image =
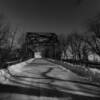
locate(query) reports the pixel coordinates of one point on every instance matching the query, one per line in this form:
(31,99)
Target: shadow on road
(40,92)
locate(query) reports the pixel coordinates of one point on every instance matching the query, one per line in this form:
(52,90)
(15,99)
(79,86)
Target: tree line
(78,46)
(74,46)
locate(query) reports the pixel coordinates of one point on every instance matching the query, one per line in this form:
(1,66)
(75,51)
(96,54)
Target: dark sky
(60,16)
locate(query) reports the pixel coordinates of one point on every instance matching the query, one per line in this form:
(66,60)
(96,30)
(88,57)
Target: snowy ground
(51,79)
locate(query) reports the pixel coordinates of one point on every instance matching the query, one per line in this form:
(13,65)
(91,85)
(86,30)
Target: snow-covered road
(43,74)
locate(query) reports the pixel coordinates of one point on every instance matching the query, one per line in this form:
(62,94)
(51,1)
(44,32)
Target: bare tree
(6,39)
(85,49)
(62,43)
(94,43)
(94,27)
(76,47)
(74,41)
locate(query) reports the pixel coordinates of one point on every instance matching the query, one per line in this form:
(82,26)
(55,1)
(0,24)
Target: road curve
(47,78)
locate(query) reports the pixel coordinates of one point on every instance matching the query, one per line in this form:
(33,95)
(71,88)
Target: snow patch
(18,67)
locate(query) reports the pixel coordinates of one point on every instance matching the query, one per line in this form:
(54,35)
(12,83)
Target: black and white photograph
(49,49)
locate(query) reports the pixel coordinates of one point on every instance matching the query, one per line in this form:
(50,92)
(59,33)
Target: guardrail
(86,63)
